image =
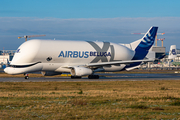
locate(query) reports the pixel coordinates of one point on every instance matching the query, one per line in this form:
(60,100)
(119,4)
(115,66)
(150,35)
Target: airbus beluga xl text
(80,58)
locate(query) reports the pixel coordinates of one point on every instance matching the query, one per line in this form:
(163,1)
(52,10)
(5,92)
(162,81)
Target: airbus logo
(74,54)
(82,54)
(99,53)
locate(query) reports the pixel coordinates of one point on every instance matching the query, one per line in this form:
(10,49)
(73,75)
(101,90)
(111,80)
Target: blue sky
(103,20)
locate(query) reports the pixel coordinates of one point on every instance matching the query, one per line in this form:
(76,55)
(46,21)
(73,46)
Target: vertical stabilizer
(172,52)
(142,46)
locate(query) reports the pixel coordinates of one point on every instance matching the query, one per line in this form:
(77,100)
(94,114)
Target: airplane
(172,52)
(79,58)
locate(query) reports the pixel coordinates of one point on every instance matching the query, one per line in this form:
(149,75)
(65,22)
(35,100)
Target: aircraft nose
(6,70)
(9,70)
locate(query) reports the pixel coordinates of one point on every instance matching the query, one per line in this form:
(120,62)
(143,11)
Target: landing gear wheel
(93,77)
(75,77)
(26,76)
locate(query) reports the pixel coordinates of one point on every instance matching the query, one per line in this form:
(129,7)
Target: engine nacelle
(50,73)
(81,71)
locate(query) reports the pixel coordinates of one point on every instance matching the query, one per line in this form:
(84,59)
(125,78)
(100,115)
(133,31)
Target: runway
(109,77)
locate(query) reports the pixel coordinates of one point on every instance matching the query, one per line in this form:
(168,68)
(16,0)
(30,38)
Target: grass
(90,100)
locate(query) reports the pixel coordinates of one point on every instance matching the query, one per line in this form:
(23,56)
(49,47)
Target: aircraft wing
(116,63)
(96,65)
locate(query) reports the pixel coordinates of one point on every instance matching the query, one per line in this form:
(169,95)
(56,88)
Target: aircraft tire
(93,77)
(26,77)
(75,77)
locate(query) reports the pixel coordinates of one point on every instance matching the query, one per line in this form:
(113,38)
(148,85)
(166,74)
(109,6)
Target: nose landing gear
(26,76)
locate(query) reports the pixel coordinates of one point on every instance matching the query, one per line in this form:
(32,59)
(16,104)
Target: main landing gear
(26,76)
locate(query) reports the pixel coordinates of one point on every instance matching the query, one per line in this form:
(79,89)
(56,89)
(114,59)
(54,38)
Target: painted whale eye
(49,58)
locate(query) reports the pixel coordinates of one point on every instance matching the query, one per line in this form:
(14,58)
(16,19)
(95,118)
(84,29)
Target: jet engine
(50,73)
(81,71)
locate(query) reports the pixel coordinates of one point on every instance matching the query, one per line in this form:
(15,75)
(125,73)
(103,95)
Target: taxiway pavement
(109,77)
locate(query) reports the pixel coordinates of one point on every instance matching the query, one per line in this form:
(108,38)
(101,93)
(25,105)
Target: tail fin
(172,52)
(142,46)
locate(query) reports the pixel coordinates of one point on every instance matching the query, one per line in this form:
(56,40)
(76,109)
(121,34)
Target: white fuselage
(54,55)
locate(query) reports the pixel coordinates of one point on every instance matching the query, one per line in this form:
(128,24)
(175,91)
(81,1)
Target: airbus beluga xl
(79,58)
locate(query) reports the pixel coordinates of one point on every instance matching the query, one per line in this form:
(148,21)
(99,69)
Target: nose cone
(10,71)
(6,70)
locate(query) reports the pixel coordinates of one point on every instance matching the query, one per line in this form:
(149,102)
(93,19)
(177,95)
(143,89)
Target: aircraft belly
(50,66)
(63,69)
